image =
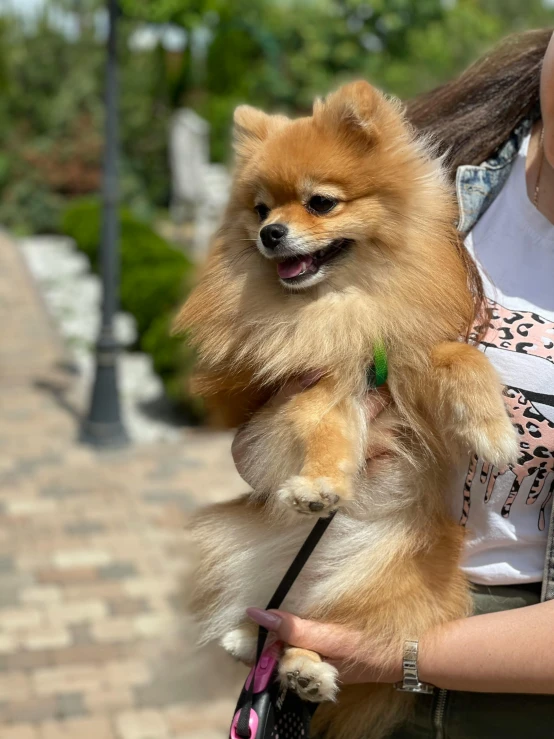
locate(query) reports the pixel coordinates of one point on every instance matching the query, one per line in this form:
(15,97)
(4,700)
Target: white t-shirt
(506,512)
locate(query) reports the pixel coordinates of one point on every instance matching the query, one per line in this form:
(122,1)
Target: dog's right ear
(354,110)
(251,127)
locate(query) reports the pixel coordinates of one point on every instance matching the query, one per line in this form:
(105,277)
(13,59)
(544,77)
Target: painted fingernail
(270,621)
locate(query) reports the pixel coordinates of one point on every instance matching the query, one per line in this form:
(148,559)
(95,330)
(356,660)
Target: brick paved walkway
(93,641)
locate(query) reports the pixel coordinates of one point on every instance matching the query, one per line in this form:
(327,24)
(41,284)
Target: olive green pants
(459,715)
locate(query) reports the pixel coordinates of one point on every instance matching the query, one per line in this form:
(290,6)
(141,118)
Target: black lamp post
(103,426)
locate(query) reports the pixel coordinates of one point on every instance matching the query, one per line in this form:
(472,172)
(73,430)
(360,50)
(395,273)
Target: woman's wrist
(429,647)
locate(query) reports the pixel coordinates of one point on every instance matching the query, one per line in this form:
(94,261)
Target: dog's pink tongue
(293,267)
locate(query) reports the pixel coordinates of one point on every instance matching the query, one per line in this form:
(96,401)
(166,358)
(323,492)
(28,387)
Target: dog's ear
(353,110)
(251,127)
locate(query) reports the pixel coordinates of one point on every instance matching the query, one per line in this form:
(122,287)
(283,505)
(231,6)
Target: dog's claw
(307,496)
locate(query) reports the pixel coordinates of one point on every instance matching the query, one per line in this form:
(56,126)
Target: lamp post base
(103,427)
(103,435)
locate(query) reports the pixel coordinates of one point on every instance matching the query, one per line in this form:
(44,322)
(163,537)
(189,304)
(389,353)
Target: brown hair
(472,115)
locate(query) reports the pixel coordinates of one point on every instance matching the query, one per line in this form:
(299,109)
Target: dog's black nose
(272,234)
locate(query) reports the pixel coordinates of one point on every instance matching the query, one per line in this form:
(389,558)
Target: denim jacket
(476,189)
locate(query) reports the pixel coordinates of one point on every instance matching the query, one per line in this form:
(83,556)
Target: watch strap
(410,681)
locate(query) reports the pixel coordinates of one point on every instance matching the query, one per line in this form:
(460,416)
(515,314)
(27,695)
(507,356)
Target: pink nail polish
(270,621)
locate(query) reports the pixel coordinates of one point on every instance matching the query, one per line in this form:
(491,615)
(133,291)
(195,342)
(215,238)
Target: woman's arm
(505,652)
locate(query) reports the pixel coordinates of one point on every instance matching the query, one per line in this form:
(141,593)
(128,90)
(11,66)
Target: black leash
(243,729)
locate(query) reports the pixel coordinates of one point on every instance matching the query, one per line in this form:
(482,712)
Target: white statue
(199,189)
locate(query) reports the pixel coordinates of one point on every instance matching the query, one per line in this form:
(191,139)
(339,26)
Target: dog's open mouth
(296,269)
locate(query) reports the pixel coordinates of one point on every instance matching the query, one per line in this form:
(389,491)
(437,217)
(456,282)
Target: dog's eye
(262,210)
(320,204)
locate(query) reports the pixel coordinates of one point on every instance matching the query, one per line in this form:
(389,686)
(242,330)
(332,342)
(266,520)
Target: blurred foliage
(280,54)
(276,54)
(51,116)
(154,278)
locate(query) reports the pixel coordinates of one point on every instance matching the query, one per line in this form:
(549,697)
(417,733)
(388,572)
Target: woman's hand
(504,652)
(345,649)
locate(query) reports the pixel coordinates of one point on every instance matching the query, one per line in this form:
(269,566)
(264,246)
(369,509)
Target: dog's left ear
(251,128)
(353,110)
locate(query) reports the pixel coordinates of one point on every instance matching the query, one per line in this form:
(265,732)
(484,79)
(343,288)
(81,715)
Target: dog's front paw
(304,495)
(496,441)
(305,673)
(241,643)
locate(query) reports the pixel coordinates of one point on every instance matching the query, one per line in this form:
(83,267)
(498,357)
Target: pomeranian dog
(339,237)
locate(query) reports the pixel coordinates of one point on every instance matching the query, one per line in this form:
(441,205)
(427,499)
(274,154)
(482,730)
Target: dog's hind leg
(308,675)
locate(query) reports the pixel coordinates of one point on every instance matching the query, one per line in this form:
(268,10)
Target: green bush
(155,277)
(30,207)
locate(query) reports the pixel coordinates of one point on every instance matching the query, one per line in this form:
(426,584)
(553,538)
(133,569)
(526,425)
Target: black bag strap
(243,729)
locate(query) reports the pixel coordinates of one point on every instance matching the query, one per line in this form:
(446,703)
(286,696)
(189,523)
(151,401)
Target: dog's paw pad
(312,681)
(304,495)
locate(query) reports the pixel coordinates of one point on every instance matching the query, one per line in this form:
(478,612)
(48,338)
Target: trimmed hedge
(155,279)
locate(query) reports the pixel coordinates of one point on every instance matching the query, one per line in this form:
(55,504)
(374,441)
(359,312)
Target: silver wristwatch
(410,682)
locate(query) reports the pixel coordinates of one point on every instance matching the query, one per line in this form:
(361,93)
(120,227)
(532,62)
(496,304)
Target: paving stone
(41,595)
(117,571)
(8,643)
(67,679)
(175,498)
(15,580)
(84,611)
(142,725)
(7,564)
(14,686)
(160,693)
(66,576)
(29,507)
(84,528)
(28,466)
(70,704)
(186,719)
(71,559)
(93,643)
(20,731)
(152,624)
(33,710)
(9,597)
(113,630)
(18,619)
(109,700)
(25,660)
(89,654)
(61,492)
(80,634)
(131,672)
(167,469)
(93,727)
(47,637)
(128,606)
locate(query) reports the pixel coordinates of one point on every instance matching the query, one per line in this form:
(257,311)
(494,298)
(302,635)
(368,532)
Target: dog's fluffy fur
(389,563)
